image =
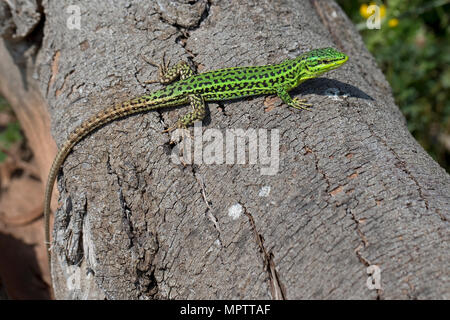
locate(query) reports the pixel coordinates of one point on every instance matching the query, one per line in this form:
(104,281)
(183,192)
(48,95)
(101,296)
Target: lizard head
(315,62)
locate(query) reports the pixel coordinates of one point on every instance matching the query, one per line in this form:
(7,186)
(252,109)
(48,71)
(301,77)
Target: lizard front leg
(294,103)
(167,74)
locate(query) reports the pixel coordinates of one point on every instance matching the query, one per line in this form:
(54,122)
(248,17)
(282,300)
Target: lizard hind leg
(198,113)
(168,74)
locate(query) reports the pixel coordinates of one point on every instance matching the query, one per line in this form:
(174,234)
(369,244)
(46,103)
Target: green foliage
(3,104)
(412,47)
(9,134)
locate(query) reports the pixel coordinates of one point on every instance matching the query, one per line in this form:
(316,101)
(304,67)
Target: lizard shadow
(329,87)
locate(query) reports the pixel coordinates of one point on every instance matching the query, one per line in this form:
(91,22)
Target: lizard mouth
(338,61)
(328,64)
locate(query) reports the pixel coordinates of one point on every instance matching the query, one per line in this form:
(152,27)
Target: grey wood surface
(353,189)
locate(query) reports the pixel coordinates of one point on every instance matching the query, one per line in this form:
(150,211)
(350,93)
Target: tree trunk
(353,189)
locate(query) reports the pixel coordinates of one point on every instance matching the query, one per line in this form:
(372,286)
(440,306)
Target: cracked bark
(353,187)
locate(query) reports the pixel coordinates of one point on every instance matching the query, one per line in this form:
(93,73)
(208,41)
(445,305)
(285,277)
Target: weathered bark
(353,189)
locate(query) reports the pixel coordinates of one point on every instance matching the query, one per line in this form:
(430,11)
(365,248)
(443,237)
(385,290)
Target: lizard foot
(163,68)
(300,104)
(184,131)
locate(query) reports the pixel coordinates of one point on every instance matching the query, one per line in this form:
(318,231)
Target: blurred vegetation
(412,47)
(10,132)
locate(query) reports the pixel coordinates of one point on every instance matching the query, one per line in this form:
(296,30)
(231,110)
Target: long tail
(59,160)
(103,117)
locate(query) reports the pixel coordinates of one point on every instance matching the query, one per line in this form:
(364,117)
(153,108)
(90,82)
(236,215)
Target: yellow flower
(365,13)
(393,22)
(382,11)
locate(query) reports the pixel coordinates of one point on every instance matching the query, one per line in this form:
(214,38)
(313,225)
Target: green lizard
(223,84)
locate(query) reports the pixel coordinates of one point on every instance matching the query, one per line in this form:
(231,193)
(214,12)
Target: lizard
(183,86)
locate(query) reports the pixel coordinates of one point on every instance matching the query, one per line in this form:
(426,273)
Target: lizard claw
(177,125)
(150,62)
(163,68)
(300,104)
(184,132)
(169,129)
